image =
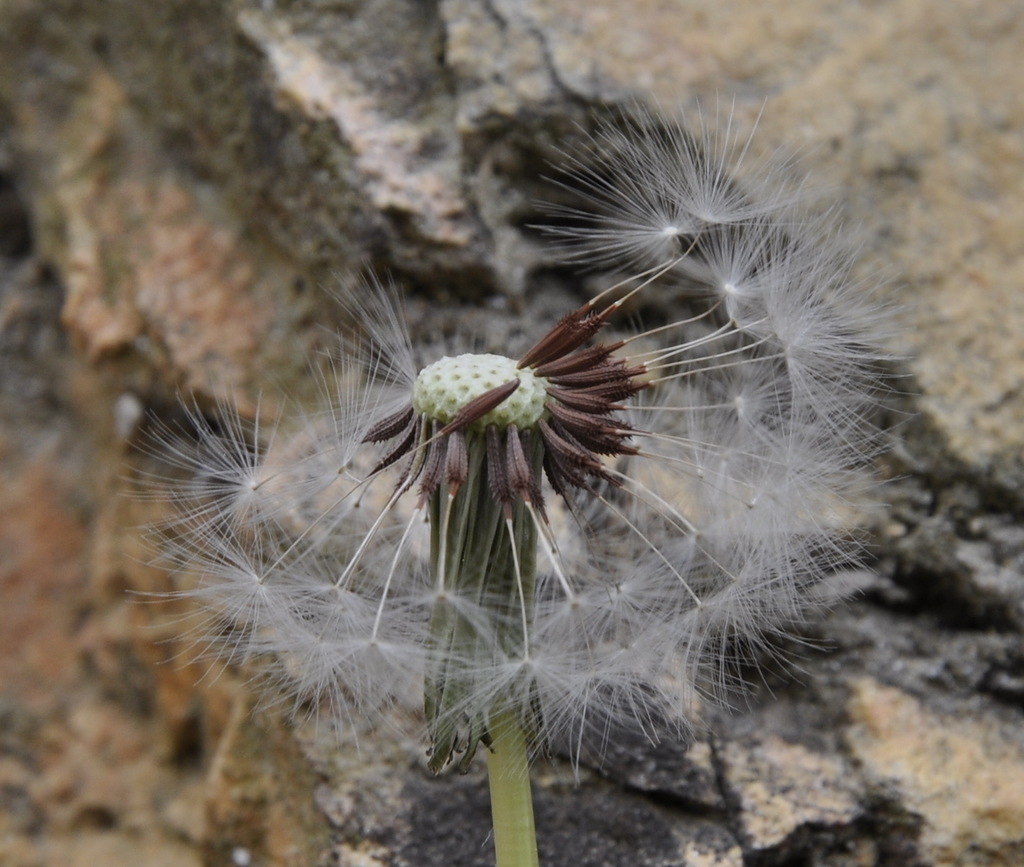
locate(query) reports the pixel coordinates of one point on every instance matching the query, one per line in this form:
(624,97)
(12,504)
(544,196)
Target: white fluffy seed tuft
(664,569)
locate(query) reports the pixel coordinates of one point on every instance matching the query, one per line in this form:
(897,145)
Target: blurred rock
(259,796)
(181,184)
(961,778)
(781,789)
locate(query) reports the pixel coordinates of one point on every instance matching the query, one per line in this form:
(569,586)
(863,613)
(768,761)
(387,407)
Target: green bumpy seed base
(446,386)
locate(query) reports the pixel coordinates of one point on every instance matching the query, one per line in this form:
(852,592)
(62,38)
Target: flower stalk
(515,840)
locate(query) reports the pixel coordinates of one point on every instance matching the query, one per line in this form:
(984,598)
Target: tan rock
(184,162)
(400,168)
(259,796)
(782,787)
(963,777)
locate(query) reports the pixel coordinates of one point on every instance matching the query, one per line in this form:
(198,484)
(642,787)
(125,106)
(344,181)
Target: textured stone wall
(181,184)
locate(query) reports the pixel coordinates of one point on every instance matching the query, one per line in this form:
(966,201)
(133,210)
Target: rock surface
(180,181)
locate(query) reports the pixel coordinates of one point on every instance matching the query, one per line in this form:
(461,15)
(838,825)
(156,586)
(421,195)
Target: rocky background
(180,184)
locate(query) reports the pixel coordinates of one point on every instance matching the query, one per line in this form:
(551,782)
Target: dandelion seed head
(593,534)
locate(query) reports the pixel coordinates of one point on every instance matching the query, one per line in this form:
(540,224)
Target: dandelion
(586,535)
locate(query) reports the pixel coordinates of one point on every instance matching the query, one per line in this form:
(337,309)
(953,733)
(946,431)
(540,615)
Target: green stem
(508,770)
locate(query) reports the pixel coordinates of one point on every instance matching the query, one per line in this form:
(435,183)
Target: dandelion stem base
(515,840)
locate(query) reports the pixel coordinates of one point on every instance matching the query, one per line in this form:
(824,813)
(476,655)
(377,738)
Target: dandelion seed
(580,537)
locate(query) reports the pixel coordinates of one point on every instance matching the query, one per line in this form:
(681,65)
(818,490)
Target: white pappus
(586,535)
